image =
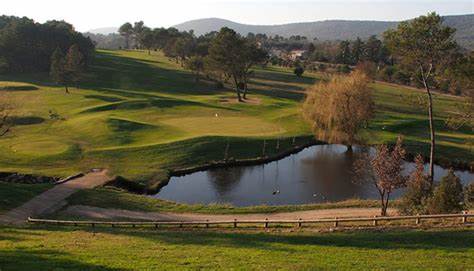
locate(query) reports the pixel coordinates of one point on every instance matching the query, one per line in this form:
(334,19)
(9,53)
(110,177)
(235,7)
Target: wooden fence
(336,222)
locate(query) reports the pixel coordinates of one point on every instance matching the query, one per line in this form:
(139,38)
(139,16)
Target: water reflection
(317,174)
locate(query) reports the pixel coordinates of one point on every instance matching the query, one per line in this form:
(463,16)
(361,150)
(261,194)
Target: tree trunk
(67,89)
(432,132)
(237,89)
(382,197)
(245,91)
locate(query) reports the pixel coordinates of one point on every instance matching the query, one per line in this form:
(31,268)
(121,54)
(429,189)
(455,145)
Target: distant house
(296,54)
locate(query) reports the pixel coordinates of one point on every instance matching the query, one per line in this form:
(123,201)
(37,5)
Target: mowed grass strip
(141,115)
(43,248)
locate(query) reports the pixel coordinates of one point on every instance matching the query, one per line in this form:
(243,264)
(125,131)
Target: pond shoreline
(155,187)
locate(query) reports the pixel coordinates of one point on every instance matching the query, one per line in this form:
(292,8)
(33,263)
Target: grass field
(141,115)
(38,248)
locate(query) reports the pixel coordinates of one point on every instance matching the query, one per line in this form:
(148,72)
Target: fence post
(336,222)
(235,223)
(266,222)
(418,219)
(464,218)
(375,221)
(207,223)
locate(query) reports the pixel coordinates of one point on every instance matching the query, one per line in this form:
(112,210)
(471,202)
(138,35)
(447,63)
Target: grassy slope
(126,249)
(117,199)
(141,114)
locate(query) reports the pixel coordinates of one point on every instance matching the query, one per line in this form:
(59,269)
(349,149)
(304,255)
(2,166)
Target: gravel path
(118,214)
(53,199)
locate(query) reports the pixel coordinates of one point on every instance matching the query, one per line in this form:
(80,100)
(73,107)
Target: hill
(103,30)
(328,30)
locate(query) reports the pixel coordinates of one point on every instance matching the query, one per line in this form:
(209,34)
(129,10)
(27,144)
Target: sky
(91,14)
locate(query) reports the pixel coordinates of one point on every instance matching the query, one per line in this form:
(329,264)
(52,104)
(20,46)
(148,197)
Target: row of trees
(223,55)
(27,46)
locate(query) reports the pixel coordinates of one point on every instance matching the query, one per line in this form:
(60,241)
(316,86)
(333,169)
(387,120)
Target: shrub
(469,195)
(418,191)
(298,71)
(448,195)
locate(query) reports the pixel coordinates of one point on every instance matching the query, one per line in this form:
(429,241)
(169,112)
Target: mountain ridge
(328,29)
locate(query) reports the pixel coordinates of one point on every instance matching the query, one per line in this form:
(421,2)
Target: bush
(448,196)
(469,195)
(418,191)
(299,71)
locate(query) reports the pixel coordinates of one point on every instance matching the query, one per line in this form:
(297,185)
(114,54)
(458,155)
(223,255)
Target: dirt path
(117,214)
(53,199)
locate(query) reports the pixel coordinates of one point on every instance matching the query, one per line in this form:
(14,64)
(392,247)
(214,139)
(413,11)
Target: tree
(69,69)
(234,56)
(423,45)
(298,71)
(357,50)
(384,170)
(74,65)
(340,108)
(418,191)
(126,30)
(58,69)
(196,65)
(344,56)
(137,32)
(448,196)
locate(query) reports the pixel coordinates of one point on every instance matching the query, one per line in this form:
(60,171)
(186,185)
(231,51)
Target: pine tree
(448,196)
(74,64)
(57,70)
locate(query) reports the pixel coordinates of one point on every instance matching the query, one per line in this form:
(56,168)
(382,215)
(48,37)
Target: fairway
(141,115)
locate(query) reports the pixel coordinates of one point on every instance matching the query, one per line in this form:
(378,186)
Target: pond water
(321,173)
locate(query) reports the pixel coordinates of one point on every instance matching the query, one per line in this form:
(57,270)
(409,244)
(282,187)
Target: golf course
(141,115)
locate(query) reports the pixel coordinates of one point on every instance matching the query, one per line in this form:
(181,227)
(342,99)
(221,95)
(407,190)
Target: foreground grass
(37,248)
(13,195)
(118,199)
(141,115)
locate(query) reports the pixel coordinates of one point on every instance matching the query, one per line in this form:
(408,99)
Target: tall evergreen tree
(57,70)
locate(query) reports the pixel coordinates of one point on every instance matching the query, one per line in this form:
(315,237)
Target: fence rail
(265,222)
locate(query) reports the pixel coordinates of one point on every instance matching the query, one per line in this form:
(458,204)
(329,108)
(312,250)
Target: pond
(321,173)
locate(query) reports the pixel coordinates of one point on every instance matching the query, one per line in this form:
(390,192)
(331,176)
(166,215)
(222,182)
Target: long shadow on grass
(444,240)
(26,259)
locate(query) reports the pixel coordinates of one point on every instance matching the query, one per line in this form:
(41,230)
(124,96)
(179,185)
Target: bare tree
(340,108)
(384,170)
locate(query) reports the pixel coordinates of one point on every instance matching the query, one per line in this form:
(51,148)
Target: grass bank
(120,199)
(43,248)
